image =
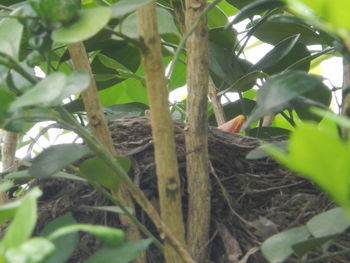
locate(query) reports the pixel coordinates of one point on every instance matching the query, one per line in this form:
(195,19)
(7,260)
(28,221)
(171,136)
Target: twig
(188,34)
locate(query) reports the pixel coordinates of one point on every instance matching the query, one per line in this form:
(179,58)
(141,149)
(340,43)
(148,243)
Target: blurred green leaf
(327,11)
(321,96)
(259,152)
(10,37)
(124,7)
(277,28)
(278,248)
(90,22)
(52,90)
(23,223)
(122,254)
(96,170)
(216,18)
(279,90)
(328,223)
(111,237)
(64,245)
(225,37)
(327,167)
(6,98)
(166,24)
(55,158)
(35,250)
(304,247)
(128,91)
(119,111)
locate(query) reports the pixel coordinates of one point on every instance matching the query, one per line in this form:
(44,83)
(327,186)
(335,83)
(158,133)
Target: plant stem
(6,8)
(10,62)
(188,34)
(168,179)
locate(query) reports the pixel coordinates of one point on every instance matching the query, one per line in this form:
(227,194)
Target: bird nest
(251,199)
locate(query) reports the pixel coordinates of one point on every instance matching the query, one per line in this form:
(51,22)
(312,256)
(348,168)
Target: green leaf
(96,170)
(112,209)
(321,96)
(255,8)
(10,37)
(244,83)
(6,99)
(52,90)
(124,7)
(222,36)
(275,55)
(55,158)
(327,167)
(277,28)
(24,221)
(111,237)
(278,248)
(75,83)
(45,93)
(328,223)
(119,111)
(122,254)
(23,177)
(304,247)
(216,18)
(279,90)
(220,62)
(128,91)
(298,57)
(166,24)
(65,244)
(35,250)
(259,152)
(334,13)
(339,119)
(90,22)
(240,3)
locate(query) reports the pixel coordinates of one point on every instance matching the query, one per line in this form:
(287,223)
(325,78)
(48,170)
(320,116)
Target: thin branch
(188,34)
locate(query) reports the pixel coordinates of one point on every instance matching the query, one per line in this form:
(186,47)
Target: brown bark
(196,133)
(99,129)
(178,6)
(162,130)
(345,107)
(8,152)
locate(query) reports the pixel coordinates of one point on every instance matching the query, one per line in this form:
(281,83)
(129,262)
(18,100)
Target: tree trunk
(196,133)
(162,129)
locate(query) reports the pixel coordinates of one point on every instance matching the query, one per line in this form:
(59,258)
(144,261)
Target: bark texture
(162,129)
(196,136)
(8,156)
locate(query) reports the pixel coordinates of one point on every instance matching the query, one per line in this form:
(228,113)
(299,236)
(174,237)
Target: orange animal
(233,125)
